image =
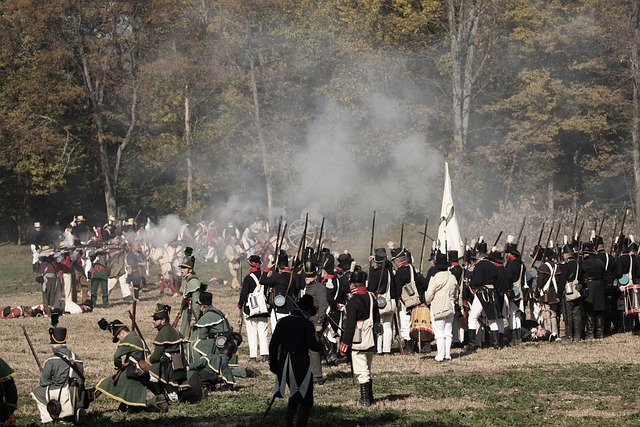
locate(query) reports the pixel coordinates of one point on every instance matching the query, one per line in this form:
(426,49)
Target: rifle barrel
(33,350)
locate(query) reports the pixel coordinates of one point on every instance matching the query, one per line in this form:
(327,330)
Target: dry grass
(473,389)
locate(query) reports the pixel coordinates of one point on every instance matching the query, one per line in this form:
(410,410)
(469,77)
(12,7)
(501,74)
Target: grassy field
(592,383)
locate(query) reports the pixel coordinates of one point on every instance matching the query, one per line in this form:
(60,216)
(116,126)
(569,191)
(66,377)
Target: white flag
(448,232)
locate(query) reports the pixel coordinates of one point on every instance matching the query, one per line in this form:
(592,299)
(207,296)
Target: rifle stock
(138,331)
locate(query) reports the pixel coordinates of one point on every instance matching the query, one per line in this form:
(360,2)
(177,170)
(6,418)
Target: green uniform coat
(167,342)
(190,310)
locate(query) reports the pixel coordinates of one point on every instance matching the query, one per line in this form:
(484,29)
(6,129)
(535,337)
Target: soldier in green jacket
(128,385)
(168,364)
(191,294)
(56,380)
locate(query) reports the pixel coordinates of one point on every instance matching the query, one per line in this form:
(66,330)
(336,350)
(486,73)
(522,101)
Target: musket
(139,332)
(397,335)
(277,248)
(424,241)
(546,246)
(401,234)
(523,243)
(294,265)
(524,219)
(176,321)
(320,237)
(132,314)
(580,232)
(575,222)
(373,230)
(33,350)
(535,254)
(558,230)
(624,218)
(601,225)
(613,237)
(497,239)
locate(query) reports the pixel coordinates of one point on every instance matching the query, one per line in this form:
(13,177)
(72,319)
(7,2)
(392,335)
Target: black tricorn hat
(115,327)
(358,277)
(58,335)
(254,259)
(495,256)
(306,304)
(344,261)
(162,312)
(206,298)
(512,249)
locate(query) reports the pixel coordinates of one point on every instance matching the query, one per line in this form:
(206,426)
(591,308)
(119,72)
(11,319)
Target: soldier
(61,374)
(78,276)
(168,364)
(8,395)
(626,273)
(64,262)
(36,239)
(136,268)
(99,275)
(380,283)
(209,354)
(592,280)
(406,274)
(51,287)
(336,299)
(484,277)
(128,385)
(291,344)
(234,254)
(360,334)
(116,268)
(571,296)
(109,229)
(319,294)
(549,292)
(612,314)
(280,284)
(258,324)
(79,230)
(191,294)
(515,279)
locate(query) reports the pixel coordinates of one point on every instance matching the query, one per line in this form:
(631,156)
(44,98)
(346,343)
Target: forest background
(198,108)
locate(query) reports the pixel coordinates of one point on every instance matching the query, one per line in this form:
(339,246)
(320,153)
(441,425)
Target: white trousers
(122,281)
(384,341)
(66,278)
(474,314)
(405,322)
(257,332)
(362,362)
(443,332)
(275,317)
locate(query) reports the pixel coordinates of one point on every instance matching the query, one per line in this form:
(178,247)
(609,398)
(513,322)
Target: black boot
(517,340)
(471,340)
(292,408)
(364,395)
(495,339)
(577,329)
(408,347)
(303,416)
(599,327)
(370,391)
(501,340)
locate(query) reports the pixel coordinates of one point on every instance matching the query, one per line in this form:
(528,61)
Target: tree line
(172,105)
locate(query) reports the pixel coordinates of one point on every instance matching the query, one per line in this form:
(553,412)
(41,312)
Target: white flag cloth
(448,232)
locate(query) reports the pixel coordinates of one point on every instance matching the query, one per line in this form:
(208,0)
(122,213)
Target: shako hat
(358,277)
(58,335)
(115,327)
(162,312)
(495,256)
(206,298)
(452,256)
(283,259)
(328,263)
(344,261)
(254,260)
(441,261)
(481,246)
(309,268)
(397,253)
(189,260)
(587,248)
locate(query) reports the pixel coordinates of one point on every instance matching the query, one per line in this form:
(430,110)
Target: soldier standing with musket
(191,295)
(362,316)
(571,297)
(380,279)
(612,314)
(319,294)
(592,280)
(484,277)
(515,278)
(404,274)
(626,265)
(548,291)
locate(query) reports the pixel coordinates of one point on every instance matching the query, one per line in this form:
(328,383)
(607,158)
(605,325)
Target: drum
(632,299)
(421,331)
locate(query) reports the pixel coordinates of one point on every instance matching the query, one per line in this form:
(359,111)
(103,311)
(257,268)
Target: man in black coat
(362,316)
(592,279)
(292,340)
